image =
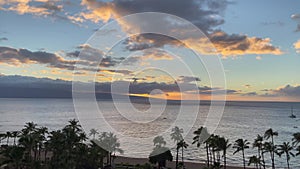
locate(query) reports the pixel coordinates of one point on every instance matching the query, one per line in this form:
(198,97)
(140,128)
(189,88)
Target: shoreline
(188,164)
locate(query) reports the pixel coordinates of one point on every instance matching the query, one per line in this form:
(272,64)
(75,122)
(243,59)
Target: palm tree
(15,134)
(298,151)
(241,145)
(254,160)
(13,156)
(183,145)
(268,147)
(270,134)
(258,142)
(29,127)
(74,125)
(224,145)
(159,141)
(160,155)
(286,149)
(176,136)
(93,132)
(213,144)
(8,135)
(296,138)
(2,137)
(41,138)
(201,135)
(96,154)
(109,142)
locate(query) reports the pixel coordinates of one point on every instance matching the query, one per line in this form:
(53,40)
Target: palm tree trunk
(244,159)
(224,160)
(211,158)
(35,153)
(177,152)
(207,155)
(39,153)
(107,159)
(45,156)
(273,160)
(7,139)
(258,151)
(182,156)
(214,156)
(287,160)
(273,154)
(263,159)
(110,159)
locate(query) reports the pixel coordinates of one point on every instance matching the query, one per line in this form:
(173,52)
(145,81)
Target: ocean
(239,120)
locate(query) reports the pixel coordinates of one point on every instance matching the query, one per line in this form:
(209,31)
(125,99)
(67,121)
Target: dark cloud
(3,39)
(87,62)
(51,6)
(250,94)
(188,79)
(149,40)
(236,44)
(206,14)
(216,91)
(23,56)
(225,44)
(247,86)
(288,90)
(296,17)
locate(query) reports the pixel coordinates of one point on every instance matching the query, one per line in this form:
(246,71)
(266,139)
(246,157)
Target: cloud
(258,58)
(206,14)
(151,54)
(188,79)
(250,94)
(296,17)
(291,91)
(235,44)
(23,56)
(90,56)
(88,62)
(227,45)
(41,8)
(297,46)
(3,39)
(288,90)
(247,86)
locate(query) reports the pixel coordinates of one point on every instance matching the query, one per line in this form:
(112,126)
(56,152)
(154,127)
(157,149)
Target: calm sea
(240,120)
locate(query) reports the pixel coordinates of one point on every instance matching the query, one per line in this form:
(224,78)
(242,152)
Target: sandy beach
(189,165)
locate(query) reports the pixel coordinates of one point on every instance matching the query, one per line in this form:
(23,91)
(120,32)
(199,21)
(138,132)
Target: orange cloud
(99,11)
(22,7)
(297,46)
(232,45)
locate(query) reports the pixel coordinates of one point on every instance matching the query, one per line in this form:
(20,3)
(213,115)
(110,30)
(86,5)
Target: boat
(292,114)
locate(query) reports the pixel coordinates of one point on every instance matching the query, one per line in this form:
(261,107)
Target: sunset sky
(258,43)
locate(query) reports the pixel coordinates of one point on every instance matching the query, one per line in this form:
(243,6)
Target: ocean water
(239,120)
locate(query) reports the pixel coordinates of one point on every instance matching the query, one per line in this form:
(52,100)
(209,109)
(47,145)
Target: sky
(257,42)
